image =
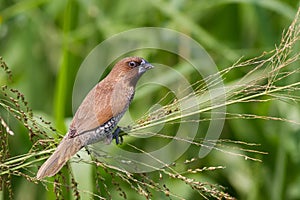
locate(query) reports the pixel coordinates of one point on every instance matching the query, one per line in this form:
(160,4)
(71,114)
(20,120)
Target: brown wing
(95,109)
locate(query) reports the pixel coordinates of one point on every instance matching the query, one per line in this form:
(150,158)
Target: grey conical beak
(144,66)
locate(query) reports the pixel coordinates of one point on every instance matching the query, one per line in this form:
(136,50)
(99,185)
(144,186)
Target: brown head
(129,69)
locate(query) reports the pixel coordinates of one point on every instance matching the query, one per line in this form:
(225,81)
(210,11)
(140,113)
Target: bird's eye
(132,64)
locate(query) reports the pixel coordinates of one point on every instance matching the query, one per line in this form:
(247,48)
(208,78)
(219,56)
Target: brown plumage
(99,113)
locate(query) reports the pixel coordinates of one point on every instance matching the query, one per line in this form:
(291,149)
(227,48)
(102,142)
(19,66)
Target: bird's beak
(144,67)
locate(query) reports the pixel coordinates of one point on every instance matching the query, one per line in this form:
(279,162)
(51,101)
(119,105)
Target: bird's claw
(116,136)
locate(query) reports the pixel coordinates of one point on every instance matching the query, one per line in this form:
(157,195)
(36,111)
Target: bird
(97,116)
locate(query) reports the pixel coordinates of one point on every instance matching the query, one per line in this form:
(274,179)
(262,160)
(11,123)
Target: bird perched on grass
(98,115)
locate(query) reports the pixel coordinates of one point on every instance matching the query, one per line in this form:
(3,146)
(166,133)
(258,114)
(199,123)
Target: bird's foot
(116,136)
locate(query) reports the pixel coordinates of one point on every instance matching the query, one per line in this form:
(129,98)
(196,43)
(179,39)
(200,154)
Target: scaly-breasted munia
(97,116)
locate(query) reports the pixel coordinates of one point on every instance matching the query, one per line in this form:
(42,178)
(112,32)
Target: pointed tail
(65,150)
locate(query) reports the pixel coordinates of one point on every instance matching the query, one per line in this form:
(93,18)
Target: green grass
(44,43)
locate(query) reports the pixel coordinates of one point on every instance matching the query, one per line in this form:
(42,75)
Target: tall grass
(44,42)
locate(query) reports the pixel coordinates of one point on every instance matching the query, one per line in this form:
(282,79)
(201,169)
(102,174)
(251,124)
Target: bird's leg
(116,135)
(87,150)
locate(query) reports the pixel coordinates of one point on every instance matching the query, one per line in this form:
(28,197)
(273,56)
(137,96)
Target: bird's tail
(65,150)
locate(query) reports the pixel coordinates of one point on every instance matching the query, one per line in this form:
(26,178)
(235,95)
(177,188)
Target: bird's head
(130,68)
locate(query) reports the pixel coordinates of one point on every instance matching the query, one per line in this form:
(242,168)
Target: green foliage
(44,43)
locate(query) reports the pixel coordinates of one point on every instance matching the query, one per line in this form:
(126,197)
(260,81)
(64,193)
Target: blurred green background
(44,42)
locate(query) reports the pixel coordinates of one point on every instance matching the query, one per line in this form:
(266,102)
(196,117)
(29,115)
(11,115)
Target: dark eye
(132,64)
